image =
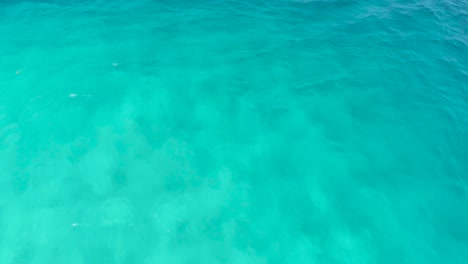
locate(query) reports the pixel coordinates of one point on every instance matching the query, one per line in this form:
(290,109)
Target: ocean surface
(234,131)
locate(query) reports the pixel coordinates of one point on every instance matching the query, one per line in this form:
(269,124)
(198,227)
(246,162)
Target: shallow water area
(233,131)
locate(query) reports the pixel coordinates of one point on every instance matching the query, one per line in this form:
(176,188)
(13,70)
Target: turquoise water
(236,131)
